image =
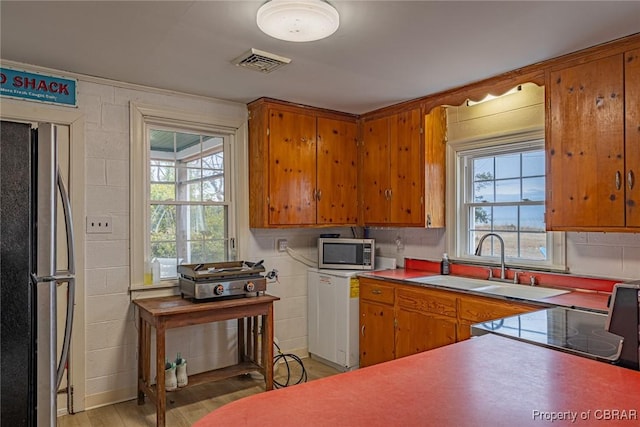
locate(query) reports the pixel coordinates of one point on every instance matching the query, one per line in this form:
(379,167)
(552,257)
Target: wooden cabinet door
(586,148)
(632,135)
(375,171)
(406,165)
(435,144)
(376,333)
(292,168)
(337,167)
(417,332)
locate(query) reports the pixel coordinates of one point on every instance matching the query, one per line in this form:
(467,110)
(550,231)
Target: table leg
(256,334)
(141,357)
(241,350)
(161,402)
(267,347)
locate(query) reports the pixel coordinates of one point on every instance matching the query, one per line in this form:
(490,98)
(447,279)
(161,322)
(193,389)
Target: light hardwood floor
(188,405)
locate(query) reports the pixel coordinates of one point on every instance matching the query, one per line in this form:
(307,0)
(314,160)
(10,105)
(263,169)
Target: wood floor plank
(184,407)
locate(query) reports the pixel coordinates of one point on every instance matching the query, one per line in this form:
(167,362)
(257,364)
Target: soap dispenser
(445,264)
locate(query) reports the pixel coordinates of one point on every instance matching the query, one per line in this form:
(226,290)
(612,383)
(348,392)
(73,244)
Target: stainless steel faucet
(479,251)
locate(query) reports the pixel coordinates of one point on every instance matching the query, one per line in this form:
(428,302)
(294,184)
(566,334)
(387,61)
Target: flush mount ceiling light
(298,20)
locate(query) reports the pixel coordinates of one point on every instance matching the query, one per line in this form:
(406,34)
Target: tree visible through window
(188,200)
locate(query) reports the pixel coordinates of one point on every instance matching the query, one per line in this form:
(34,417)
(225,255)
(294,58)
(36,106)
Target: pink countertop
(485,381)
(585,299)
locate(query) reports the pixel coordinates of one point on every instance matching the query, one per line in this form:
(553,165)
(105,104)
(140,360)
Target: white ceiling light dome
(298,20)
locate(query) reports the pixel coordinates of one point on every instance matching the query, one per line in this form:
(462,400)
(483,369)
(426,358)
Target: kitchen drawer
(427,301)
(476,309)
(375,290)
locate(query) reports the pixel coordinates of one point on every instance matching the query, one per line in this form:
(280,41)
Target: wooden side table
(175,312)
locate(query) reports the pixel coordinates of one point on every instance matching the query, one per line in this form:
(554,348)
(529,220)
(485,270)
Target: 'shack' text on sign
(37,87)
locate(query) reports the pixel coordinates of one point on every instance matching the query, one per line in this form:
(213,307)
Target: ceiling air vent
(258,60)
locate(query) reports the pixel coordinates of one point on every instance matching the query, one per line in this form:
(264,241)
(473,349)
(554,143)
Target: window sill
(164,289)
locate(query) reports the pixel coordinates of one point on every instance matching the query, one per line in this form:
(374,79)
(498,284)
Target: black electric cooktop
(572,331)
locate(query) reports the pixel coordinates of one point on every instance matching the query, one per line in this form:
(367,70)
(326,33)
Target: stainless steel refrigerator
(31,369)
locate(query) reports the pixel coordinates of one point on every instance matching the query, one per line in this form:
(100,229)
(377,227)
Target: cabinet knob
(376,291)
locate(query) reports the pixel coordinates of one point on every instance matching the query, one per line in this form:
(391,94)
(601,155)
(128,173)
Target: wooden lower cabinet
(399,320)
(417,332)
(376,333)
(377,321)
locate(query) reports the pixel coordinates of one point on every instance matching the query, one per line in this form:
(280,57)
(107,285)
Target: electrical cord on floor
(288,358)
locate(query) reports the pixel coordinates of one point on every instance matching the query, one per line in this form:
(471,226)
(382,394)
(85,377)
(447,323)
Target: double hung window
(501,189)
(188,209)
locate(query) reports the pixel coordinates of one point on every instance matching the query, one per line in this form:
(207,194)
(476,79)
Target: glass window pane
(533,163)
(162,172)
(508,166)
(511,249)
(532,218)
(194,174)
(508,190)
(483,169)
(483,191)
(162,192)
(505,218)
(481,218)
(533,189)
(215,218)
(193,192)
(163,223)
(533,246)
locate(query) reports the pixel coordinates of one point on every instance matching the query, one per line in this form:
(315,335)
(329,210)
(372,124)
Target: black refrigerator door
(17,330)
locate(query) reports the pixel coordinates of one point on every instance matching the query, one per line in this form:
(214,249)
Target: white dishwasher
(333,317)
(333,313)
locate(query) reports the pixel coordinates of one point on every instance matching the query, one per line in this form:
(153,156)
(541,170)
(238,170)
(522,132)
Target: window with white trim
(188,208)
(500,188)
(183,190)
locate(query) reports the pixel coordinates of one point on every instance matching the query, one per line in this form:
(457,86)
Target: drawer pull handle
(376,291)
(618,180)
(630,179)
(362,330)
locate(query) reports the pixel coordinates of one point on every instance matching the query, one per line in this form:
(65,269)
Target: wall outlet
(99,224)
(281,245)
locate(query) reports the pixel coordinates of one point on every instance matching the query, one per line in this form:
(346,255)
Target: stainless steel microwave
(346,254)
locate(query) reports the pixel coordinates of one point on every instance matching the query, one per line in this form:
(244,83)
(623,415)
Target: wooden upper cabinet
(586,146)
(292,168)
(407,169)
(337,172)
(375,171)
(632,135)
(435,142)
(302,166)
(393,170)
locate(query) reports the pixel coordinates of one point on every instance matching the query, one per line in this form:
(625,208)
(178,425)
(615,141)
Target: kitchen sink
(454,282)
(521,291)
(490,288)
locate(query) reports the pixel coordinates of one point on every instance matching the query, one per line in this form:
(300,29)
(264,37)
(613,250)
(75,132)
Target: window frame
(458,231)
(141,118)
(225,148)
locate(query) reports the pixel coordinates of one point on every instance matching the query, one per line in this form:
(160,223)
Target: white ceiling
(383,53)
